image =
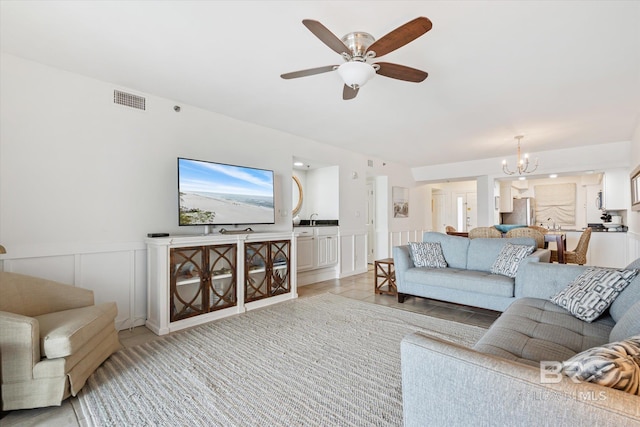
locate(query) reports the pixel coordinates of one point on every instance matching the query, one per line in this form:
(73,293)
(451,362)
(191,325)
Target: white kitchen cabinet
(317,247)
(608,249)
(306,250)
(327,251)
(615,190)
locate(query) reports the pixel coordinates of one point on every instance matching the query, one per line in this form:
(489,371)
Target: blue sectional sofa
(501,381)
(467,279)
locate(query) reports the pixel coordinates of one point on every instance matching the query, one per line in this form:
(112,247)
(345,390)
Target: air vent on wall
(370,163)
(129,100)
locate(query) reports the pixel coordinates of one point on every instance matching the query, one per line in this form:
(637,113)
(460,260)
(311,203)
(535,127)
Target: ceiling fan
(359,48)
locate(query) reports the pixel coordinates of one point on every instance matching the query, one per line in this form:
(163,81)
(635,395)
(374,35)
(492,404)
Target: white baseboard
(314,276)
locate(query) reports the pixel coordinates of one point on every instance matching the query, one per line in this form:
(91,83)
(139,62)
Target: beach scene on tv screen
(214,193)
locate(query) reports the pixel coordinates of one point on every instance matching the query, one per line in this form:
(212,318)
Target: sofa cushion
(628,325)
(461,279)
(484,251)
(427,254)
(509,259)
(64,332)
(615,365)
(532,330)
(543,279)
(593,291)
(629,296)
(454,248)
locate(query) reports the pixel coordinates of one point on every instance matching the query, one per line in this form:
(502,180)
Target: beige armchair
(52,337)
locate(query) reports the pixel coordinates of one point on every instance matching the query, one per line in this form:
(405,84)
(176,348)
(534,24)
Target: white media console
(195,279)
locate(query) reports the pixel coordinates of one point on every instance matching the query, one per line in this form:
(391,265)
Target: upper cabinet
(506,197)
(615,190)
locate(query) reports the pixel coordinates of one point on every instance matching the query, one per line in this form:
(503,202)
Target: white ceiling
(564,74)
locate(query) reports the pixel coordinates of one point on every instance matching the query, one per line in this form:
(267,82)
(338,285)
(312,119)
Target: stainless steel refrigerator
(524,212)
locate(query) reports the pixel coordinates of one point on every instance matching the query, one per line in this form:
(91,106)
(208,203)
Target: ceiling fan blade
(309,72)
(400,36)
(401,72)
(326,36)
(349,93)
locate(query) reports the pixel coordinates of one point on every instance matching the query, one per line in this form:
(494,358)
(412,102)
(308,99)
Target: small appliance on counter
(614,223)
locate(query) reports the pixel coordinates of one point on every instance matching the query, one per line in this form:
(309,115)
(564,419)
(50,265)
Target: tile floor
(358,287)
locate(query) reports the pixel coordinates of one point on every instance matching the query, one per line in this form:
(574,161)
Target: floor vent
(129,100)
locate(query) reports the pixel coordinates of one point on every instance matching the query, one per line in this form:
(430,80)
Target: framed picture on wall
(635,189)
(400,198)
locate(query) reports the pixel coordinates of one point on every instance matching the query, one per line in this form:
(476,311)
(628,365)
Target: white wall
(633,218)
(323,190)
(82,181)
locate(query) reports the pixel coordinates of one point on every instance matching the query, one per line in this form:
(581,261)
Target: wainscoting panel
(347,255)
(360,246)
(633,248)
(58,268)
(113,272)
(399,238)
(353,252)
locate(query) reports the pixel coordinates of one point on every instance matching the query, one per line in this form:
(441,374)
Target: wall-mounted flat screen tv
(216,194)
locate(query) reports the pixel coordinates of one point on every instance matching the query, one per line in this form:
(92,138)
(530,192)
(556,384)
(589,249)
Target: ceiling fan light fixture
(356,74)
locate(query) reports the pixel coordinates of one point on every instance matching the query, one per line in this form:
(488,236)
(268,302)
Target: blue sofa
(500,381)
(467,279)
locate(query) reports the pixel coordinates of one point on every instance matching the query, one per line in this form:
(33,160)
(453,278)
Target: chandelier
(523,162)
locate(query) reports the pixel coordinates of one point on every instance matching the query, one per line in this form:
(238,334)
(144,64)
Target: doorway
(465,211)
(371,209)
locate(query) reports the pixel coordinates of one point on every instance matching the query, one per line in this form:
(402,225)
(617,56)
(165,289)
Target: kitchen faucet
(312,222)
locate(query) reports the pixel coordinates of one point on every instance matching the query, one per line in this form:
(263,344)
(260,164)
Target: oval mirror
(296,195)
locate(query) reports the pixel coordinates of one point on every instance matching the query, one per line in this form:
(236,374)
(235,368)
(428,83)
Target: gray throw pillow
(593,291)
(427,254)
(615,365)
(509,259)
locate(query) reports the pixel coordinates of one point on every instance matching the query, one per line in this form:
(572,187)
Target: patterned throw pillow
(509,259)
(615,365)
(427,254)
(593,291)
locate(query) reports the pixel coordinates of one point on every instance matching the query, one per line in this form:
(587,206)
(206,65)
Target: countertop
(318,223)
(593,230)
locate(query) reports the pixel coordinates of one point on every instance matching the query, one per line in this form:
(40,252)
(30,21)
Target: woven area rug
(322,360)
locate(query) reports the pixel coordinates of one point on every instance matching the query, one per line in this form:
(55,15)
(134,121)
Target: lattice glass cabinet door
(222,271)
(267,269)
(280,255)
(187,285)
(203,279)
(256,278)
